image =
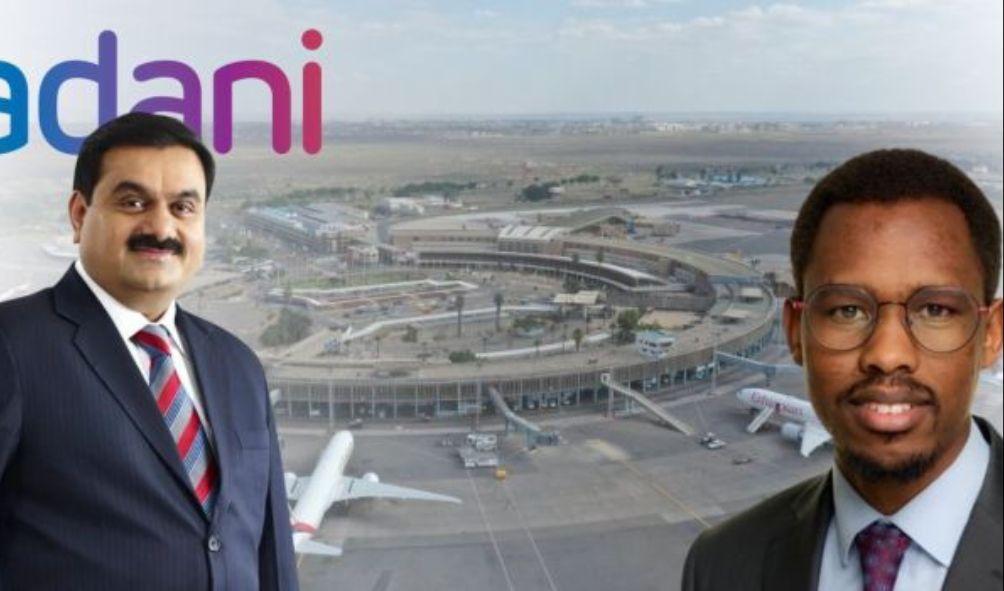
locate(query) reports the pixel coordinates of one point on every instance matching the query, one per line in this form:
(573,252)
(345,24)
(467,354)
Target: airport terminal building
(740,318)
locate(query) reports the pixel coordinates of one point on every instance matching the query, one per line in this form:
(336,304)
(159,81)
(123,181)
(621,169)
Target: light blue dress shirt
(934,520)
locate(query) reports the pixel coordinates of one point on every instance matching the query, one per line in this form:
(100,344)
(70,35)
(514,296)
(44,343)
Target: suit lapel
(102,348)
(213,385)
(793,556)
(977,560)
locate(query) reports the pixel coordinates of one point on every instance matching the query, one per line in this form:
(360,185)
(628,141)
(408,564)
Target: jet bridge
(534,434)
(660,413)
(769,370)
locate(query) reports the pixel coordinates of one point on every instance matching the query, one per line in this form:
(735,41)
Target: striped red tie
(179,414)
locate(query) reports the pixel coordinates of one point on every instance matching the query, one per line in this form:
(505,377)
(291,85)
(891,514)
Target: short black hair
(141,130)
(889,176)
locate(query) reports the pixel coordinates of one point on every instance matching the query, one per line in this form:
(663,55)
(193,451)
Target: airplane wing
(317,548)
(762,417)
(360,488)
(812,437)
(295,485)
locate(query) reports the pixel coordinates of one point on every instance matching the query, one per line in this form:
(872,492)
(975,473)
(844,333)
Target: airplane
(315,494)
(802,425)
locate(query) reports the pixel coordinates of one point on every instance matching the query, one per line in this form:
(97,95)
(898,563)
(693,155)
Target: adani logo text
(104,73)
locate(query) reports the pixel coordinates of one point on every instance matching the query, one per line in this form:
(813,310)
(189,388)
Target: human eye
(185,207)
(131,202)
(936,310)
(941,307)
(847,313)
(841,306)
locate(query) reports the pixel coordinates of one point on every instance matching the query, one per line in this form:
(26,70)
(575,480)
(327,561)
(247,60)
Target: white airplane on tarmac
(315,494)
(802,424)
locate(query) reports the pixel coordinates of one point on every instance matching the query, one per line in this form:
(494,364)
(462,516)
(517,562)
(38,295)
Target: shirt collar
(126,320)
(932,523)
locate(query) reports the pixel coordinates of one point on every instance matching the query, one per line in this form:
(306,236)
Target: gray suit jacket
(778,544)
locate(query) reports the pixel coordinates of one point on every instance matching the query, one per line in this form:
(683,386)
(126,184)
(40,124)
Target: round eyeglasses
(843,317)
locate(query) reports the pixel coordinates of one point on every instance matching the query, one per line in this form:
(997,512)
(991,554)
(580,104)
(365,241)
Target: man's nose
(890,347)
(159,221)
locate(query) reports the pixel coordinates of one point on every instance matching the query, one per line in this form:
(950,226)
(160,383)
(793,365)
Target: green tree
(291,326)
(460,313)
(536,192)
(465,356)
(577,336)
(627,323)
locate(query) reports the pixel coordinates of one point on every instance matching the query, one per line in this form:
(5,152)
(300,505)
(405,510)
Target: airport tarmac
(615,506)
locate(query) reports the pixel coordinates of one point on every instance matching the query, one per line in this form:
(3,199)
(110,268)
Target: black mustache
(919,393)
(150,241)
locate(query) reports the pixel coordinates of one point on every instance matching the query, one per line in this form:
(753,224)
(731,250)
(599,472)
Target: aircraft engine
(792,431)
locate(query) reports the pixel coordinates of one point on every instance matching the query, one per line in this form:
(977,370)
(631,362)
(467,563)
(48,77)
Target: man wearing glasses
(896,257)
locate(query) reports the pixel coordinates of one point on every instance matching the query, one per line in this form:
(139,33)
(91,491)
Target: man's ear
(77,208)
(792,320)
(994,334)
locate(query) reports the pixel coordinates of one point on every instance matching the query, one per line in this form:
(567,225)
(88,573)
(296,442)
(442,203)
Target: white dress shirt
(934,520)
(128,322)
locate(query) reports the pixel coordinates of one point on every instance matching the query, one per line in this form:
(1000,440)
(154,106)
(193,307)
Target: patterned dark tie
(881,546)
(179,415)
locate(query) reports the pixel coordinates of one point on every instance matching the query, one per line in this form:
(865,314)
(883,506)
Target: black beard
(907,471)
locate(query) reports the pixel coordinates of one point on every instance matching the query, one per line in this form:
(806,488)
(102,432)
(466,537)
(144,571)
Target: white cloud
(430,57)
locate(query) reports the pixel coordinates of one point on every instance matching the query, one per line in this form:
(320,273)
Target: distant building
(321,228)
(419,235)
(654,344)
(362,255)
(530,239)
(400,206)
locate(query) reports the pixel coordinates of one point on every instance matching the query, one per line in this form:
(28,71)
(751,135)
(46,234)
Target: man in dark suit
(137,444)
(896,257)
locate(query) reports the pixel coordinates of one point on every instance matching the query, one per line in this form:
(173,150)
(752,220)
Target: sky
(440,58)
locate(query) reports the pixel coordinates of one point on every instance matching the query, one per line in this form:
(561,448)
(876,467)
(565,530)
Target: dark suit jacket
(778,544)
(92,491)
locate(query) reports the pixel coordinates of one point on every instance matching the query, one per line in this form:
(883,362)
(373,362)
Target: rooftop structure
(582,298)
(654,344)
(319,227)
